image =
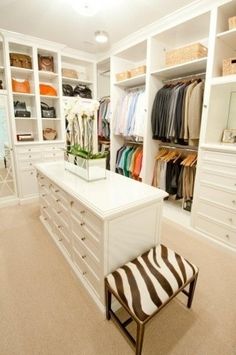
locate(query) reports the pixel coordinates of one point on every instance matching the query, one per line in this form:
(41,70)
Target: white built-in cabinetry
(98,226)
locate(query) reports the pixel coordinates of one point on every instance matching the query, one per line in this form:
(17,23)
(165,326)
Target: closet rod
(179,146)
(136,87)
(192,76)
(133,143)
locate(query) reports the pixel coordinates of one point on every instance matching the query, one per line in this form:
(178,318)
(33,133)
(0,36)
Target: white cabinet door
(28,183)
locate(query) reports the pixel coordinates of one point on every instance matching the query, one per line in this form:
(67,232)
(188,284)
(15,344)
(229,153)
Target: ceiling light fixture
(101,36)
(85,7)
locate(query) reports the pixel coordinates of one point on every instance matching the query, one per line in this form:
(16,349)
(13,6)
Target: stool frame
(138,343)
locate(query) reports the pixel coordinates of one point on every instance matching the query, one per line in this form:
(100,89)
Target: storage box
(123,76)
(186,54)
(229,66)
(138,71)
(87,169)
(232,22)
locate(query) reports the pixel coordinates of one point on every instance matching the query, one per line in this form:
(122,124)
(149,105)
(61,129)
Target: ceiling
(57,20)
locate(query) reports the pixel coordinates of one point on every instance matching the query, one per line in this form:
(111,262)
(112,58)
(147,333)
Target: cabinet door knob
(83,256)
(83,239)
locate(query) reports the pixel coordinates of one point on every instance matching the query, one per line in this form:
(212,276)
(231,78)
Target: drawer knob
(50,186)
(84,273)
(29,150)
(29,156)
(58,200)
(41,177)
(227,236)
(31,173)
(45,218)
(71,203)
(37,175)
(83,239)
(83,256)
(43,195)
(231,220)
(59,227)
(57,190)
(44,207)
(59,212)
(82,223)
(42,185)
(82,212)
(60,240)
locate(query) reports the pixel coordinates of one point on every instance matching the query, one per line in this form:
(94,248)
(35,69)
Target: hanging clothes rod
(133,143)
(138,87)
(180,147)
(192,76)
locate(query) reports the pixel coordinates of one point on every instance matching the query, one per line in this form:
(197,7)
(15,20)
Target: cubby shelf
(22,94)
(76,81)
(17,70)
(193,67)
(228,37)
(50,119)
(135,81)
(224,80)
(49,97)
(47,74)
(25,118)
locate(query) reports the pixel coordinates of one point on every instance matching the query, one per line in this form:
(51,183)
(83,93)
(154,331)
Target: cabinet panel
(218,196)
(223,180)
(219,214)
(216,230)
(224,158)
(28,182)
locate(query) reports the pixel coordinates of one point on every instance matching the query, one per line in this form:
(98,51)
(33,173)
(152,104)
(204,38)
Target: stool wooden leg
(191,292)
(139,339)
(108,302)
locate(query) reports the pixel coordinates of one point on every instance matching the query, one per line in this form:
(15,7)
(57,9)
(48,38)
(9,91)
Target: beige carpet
(44,310)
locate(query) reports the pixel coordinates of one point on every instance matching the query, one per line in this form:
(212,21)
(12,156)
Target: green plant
(83,153)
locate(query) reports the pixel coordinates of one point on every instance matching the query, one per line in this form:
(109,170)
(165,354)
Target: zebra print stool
(145,285)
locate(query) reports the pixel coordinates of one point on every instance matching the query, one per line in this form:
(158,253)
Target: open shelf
(49,97)
(229,37)
(224,80)
(47,74)
(221,147)
(135,81)
(17,70)
(22,94)
(50,119)
(76,81)
(193,67)
(25,118)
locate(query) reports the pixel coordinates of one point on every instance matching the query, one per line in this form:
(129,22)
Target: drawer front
(28,182)
(81,236)
(64,237)
(47,219)
(93,281)
(56,154)
(28,150)
(62,218)
(59,195)
(219,167)
(218,196)
(93,261)
(216,230)
(217,213)
(224,158)
(32,156)
(90,222)
(218,179)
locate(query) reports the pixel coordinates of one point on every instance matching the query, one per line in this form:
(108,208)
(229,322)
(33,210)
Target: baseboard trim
(9,201)
(26,200)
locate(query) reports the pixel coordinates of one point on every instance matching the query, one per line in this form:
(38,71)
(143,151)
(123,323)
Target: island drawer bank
(98,225)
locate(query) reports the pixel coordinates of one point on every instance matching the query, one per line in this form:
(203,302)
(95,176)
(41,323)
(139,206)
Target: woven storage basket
(186,54)
(138,71)
(123,76)
(229,66)
(69,73)
(232,22)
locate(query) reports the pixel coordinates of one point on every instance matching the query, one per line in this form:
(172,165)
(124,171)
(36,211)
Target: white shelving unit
(135,81)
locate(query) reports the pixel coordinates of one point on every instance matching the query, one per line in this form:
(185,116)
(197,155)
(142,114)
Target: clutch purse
(47,111)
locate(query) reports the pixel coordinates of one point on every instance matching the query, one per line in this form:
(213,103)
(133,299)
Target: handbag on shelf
(47,111)
(22,86)
(46,62)
(49,134)
(47,90)
(83,91)
(1,87)
(67,90)
(20,60)
(69,73)
(20,109)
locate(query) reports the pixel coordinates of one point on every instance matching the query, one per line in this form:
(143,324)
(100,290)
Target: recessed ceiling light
(85,7)
(101,36)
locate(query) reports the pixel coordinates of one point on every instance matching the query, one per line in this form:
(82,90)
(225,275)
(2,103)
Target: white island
(98,225)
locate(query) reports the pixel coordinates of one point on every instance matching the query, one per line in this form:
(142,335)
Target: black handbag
(20,109)
(67,90)
(83,91)
(47,111)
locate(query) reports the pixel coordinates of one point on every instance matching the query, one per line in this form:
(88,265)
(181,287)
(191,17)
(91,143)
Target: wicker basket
(232,22)
(138,71)
(229,66)
(123,76)
(186,54)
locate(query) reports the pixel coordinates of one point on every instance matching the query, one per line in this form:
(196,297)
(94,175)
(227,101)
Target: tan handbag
(22,86)
(20,60)
(69,73)
(49,134)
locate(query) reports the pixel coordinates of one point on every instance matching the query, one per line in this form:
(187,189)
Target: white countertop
(107,197)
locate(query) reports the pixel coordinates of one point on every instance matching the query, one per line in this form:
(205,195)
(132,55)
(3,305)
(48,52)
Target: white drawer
(50,148)
(25,150)
(32,156)
(216,230)
(28,182)
(215,212)
(56,154)
(62,217)
(218,195)
(64,238)
(216,178)
(219,167)
(224,158)
(47,220)
(89,276)
(26,164)
(59,194)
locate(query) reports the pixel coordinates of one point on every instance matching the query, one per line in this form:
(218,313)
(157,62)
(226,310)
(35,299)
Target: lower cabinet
(95,246)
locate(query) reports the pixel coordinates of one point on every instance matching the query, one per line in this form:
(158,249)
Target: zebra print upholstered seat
(146,284)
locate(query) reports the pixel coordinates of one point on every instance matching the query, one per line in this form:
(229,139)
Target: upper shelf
(47,74)
(228,37)
(193,67)
(76,81)
(135,81)
(224,80)
(18,70)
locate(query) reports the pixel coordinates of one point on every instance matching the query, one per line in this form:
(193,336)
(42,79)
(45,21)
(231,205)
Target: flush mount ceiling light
(85,7)
(101,36)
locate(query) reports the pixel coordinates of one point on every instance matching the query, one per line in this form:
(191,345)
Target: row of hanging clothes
(174,172)
(177,110)
(104,118)
(129,117)
(129,161)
